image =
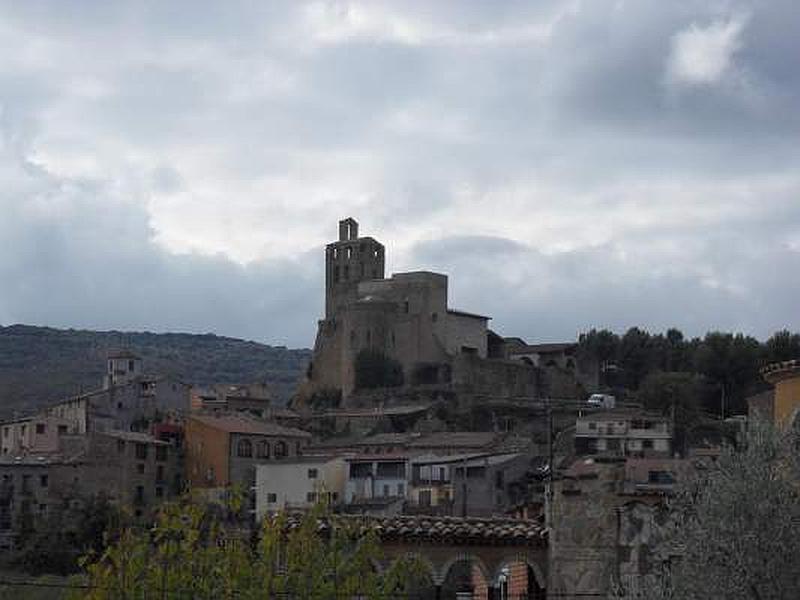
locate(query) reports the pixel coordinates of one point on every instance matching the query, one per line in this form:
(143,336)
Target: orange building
(785,376)
(224,449)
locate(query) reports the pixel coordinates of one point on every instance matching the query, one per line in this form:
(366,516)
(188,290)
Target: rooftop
(542,348)
(463,313)
(239,423)
(436,529)
(455,439)
(781,370)
(134,436)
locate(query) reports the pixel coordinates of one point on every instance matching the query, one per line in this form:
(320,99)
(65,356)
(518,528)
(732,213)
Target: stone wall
(495,378)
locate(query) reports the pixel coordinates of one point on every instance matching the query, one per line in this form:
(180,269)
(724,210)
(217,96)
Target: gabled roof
(239,423)
(455,439)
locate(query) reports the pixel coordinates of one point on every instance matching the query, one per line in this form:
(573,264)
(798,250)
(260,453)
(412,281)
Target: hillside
(39,365)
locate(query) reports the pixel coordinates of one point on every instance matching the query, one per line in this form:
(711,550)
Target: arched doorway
(516,579)
(464,578)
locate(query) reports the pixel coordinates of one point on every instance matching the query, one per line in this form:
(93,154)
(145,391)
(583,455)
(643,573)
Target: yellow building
(785,376)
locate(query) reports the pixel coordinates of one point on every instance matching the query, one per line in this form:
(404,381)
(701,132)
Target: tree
(783,345)
(192,553)
(373,369)
(736,526)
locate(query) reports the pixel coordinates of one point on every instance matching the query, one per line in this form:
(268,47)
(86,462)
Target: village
(557,492)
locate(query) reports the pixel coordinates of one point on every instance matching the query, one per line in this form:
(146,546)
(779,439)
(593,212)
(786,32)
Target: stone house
(298,483)
(223,449)
(132,470)
(129,399)
(378,476)
(253,398)
(623,433)
(39,433)
(489,485)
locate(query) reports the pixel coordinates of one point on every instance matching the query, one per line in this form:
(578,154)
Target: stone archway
(464,573)
(518,576)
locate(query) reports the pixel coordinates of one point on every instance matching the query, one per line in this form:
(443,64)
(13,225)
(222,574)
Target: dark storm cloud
(569,164)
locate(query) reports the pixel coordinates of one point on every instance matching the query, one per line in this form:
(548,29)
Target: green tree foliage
(735,527)
(374,369)
(191,553)
(783,345)
(731,362)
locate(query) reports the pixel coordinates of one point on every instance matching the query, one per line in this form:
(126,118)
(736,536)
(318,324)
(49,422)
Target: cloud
(704,55)
(180,165)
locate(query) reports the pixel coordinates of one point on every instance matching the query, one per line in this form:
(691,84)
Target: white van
(602,400)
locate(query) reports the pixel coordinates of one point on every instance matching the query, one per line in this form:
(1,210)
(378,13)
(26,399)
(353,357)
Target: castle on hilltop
(405,318)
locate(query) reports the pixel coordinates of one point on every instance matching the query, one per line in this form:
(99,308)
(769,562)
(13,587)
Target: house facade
(299,483)
(223,449)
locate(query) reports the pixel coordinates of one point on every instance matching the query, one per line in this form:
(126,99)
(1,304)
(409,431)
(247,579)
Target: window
(140,468)
(391,470)
(648,444)
(336,274)
(360,470)
(26,484)
(405,307)
(349,253)
(62,430)
(42,508)
(130,365)
(386,490)
(244,449)
(592,425)
(435,317)
(161,453)
(311,497)
(312,473)
(141,451)
(498,480)
(401,489)
(139,496)
(120,446)
(425,498)
(346,272)
(40,428)
(297,449)
(272,498)
(262,449)
(280,449)
(660,477)
(160,473)
(43,480)
(159,492)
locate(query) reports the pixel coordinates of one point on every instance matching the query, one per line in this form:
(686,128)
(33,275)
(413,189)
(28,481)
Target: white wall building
(298,483)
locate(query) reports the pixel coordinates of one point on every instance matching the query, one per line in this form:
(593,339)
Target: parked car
(602,400)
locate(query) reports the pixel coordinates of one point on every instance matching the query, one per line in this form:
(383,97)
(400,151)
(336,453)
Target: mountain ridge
(41,365)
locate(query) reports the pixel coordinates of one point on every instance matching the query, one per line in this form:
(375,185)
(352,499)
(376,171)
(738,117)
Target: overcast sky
(179,166)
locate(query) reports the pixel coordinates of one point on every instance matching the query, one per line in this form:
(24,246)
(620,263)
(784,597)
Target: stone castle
(406,318)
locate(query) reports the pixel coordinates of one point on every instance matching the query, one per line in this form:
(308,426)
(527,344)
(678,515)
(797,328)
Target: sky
(179,166)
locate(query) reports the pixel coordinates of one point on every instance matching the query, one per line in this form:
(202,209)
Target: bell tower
(348,261)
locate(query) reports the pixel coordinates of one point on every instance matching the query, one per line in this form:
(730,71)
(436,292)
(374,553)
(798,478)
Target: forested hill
(40,364)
